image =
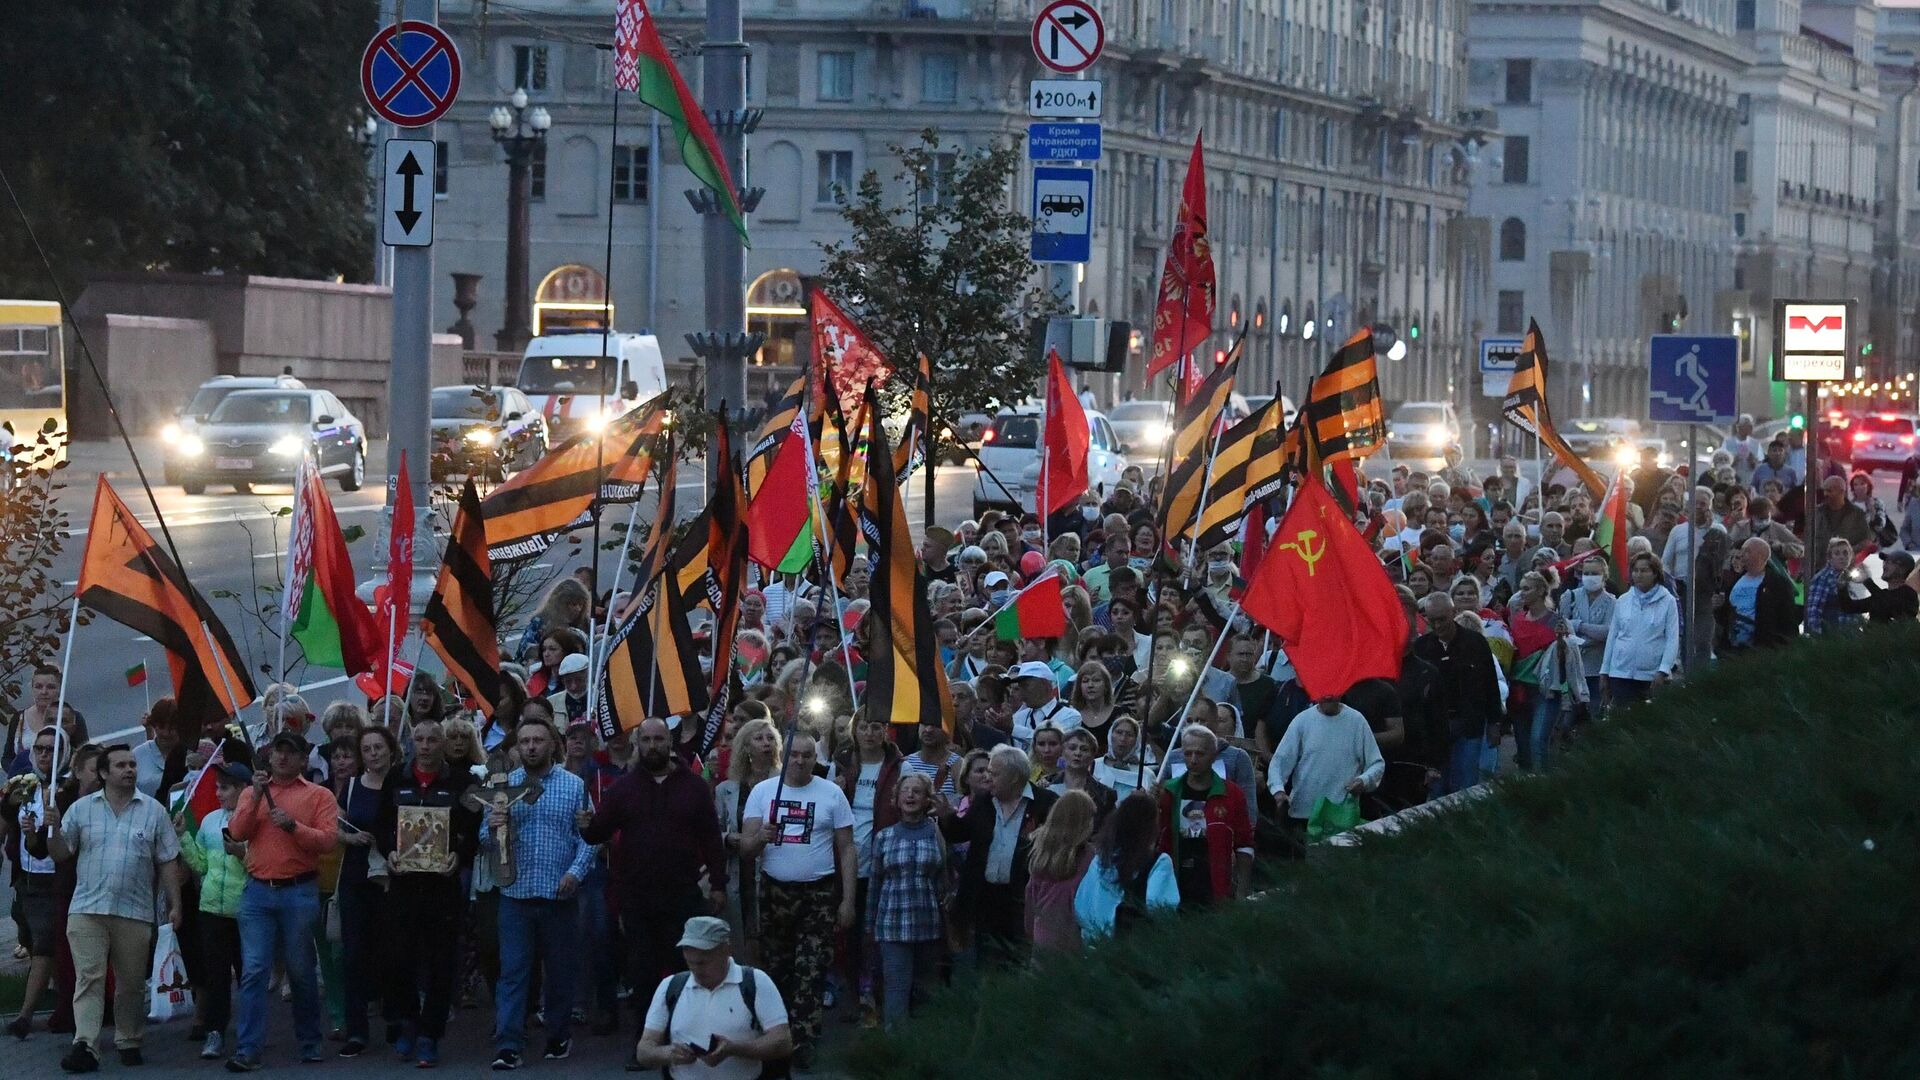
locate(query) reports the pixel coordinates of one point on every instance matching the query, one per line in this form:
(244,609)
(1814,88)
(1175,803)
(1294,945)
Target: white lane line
(175,523)
(125,733)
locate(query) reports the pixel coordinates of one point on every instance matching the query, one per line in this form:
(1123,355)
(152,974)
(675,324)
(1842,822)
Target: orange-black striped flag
(1249,467)
(1193,431)
(130,579)
(653,558)
(1343,416)
(1525,407)
(653,664)
(773,432)
(725,579)
(916,442)
(459,620)
(528,513)
(905,682)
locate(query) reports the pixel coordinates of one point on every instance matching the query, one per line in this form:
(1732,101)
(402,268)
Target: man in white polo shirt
(1040,703)
(704,1021)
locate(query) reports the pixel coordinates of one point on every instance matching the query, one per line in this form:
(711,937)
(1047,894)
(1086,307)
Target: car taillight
(986,436)
(1906,440)
(1861,436)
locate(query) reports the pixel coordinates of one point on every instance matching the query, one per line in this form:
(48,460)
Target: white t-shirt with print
(800,827)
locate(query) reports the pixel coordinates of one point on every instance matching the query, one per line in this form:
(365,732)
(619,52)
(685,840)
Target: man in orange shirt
(287,823)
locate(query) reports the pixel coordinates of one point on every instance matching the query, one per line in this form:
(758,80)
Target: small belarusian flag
(137,674)
(1037,613)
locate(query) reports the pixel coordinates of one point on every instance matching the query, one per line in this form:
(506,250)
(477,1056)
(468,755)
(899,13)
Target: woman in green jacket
(220,864)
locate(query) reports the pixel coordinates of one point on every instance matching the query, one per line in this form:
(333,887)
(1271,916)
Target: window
(1513,311)
(939,186)
(538,171)
(1739,224)
(940,78)
(1513,169)
(440,170)
(530,67)
(1743,14)
(836,76)
(1739,166)
(1519,82)
(1744,106)
(835,171)
(1513,240)
(630,174)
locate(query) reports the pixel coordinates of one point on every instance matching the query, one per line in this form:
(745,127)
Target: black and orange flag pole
(1525,407)
(459,620)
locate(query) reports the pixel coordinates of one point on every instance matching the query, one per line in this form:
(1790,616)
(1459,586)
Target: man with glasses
(34,885)
(123,842)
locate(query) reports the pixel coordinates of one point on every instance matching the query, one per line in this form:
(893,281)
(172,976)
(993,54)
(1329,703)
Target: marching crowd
(823,864)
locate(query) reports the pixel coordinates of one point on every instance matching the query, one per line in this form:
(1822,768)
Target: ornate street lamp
(521,132)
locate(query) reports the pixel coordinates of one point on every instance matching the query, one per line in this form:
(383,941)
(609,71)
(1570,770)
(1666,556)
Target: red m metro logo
(1820,325)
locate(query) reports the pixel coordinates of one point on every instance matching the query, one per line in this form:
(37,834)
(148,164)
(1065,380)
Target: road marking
(124,733)
(234,518)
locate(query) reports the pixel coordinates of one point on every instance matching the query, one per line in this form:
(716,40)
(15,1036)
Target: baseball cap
(238,772)
(292,740)
(574,663)
(705,932)
(1033,669)
(993,578)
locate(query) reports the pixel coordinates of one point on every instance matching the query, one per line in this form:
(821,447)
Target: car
(210,394)
(1600,438)
(260,436)
(1009,465)
(1287,411)
(1142,427)
(488,431)
(580,379)
(1882,441)
(1422,430)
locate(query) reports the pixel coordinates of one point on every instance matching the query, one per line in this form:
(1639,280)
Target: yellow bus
(33,374)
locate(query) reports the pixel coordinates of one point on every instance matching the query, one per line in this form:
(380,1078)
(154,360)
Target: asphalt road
(233,545)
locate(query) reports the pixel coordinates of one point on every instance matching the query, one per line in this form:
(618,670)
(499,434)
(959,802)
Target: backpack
(1132,907)
(781,1069)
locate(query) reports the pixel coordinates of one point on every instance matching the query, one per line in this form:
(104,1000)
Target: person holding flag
(219,863)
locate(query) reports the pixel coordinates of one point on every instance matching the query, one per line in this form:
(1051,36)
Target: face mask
(1218,567)
(1761,523)
(1090,513)
(1592,582)
(999,596)
(1139,562)
(1030,536)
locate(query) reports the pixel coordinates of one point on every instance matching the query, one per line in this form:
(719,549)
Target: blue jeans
(1539,736)
(907,966)
(1463,763)
(278,923)
(535,932)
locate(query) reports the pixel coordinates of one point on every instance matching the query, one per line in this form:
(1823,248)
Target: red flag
(1183,317)
(1063,468)
(779,508)
(1320,588)
(399,597)
(844,358)
(1037,612)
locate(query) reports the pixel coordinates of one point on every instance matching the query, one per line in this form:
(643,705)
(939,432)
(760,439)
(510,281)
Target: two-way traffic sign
(406,209)
(1068,35)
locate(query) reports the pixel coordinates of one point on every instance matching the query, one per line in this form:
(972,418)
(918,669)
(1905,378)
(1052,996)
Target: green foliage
(191,135)
(938,263)
(34,607)
(1718,884)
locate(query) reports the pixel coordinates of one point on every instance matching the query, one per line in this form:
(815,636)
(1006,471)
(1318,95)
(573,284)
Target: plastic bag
(168,992)
(1331,817)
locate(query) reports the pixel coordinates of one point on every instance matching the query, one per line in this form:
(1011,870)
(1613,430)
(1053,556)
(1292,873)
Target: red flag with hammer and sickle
(1322,590)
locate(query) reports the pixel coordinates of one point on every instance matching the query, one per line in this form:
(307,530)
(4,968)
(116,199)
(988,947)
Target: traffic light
(1413,329)
(1866,348)
(1798,421)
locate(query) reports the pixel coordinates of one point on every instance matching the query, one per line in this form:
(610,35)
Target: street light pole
(521,132)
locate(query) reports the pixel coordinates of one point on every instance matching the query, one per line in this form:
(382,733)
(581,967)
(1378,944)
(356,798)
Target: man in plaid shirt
(1824,616)
(537,911)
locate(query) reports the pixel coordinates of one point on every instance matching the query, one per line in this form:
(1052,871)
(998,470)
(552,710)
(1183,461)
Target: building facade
(1335,142)
(1895,324)
(1606,201)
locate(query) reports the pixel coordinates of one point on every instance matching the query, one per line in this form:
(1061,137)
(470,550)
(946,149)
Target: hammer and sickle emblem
(1303,545)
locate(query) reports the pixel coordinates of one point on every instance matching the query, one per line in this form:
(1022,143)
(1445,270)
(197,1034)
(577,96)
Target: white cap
(996,577)
(1033,669)
(574,662)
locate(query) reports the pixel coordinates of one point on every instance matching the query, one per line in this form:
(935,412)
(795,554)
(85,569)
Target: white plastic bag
(168,992)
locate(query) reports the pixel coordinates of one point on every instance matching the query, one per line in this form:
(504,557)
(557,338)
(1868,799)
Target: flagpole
(293,540)
(619,567)
(1200,509)
(1040,492)
(66,667)
(1173,743)
(219,663)
(817,520)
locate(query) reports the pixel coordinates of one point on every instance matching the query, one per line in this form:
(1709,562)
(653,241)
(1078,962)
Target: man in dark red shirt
(668,835)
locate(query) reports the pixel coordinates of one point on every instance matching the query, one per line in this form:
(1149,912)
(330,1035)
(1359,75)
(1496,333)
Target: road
(233,547)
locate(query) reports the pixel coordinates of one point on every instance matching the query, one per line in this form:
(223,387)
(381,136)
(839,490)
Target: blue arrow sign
(1693,379)
(1063,142)
(1062,214)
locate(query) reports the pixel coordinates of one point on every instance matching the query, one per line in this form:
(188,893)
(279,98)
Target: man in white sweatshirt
(1328,752)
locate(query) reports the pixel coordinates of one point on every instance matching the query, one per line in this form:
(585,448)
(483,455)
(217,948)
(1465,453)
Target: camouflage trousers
(796,947)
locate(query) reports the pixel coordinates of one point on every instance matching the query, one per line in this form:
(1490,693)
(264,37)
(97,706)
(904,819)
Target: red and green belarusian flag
(202,795)
(641,63)
(324,615)
(1036,613)
(1610,528)
(137,674)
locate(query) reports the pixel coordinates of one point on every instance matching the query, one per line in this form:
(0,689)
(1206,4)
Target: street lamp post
(521,132)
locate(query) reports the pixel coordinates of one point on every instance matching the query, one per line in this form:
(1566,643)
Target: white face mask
(1031,536)
(1593,582)
(1218,567)
(1091,513)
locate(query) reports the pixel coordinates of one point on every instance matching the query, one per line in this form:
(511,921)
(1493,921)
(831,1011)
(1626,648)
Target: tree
(189,135)
(944,271)
(33,607)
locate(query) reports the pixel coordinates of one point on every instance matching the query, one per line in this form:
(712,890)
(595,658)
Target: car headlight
(1436,435)
(170,434)
(1158,433)
(288,446)
(480,436)
(596,422)
(1626,456)
(190,446)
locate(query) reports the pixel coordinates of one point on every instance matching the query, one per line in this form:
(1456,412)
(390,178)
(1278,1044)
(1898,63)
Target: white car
(1422,430)
(1143,427)
(1010,450)
(1601,438)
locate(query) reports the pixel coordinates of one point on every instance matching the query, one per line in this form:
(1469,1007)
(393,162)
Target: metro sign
(1815,340)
